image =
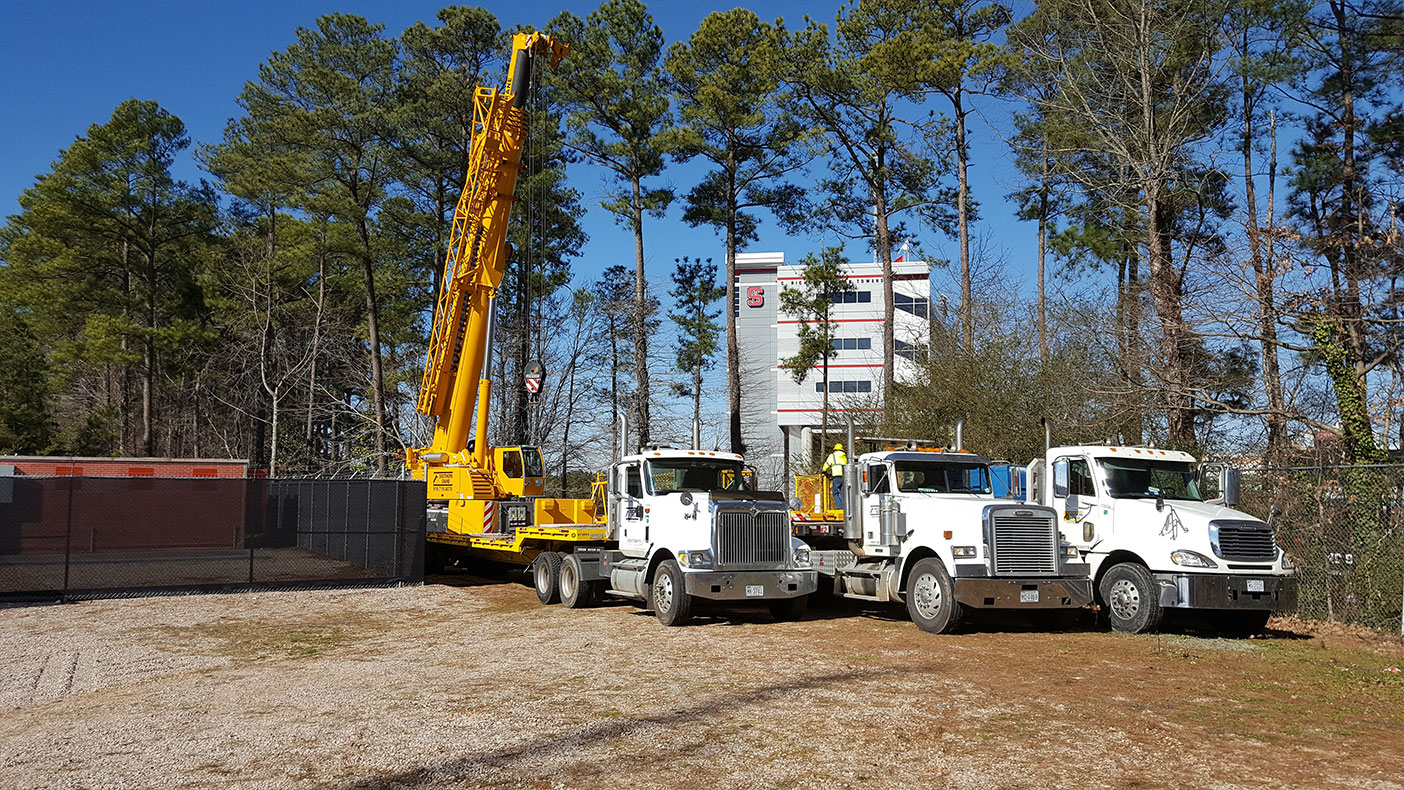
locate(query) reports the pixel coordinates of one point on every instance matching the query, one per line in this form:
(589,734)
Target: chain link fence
(89,536)
(1343,529)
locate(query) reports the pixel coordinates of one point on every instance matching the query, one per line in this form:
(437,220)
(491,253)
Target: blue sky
(65,65)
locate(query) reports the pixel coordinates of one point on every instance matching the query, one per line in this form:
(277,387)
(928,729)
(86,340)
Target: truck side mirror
(1060,478)
(1229,486)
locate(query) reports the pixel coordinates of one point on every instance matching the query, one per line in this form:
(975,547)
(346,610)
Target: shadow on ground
(463,769)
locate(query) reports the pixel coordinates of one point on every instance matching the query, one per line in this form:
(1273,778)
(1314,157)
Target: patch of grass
(255,641)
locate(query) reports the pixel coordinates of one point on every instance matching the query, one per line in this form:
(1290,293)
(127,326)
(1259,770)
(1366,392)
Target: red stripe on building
(831,367)
(836,321)
(794,410)
(867,277)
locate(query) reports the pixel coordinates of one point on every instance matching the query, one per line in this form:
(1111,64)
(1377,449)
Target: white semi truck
(921,527)
(1138,517)
(680,525)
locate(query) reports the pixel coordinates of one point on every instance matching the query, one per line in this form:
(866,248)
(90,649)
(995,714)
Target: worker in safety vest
(833,465)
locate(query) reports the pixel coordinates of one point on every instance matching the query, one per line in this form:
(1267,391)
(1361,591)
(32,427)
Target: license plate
(1028,596)
(1255,585)
(755,590)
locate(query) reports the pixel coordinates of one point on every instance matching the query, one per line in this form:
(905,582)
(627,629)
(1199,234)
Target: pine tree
(694,290)
(823,286)
(619,116)
(734,113)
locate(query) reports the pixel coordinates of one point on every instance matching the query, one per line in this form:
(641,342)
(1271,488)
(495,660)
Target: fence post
(399,536)
(68,536)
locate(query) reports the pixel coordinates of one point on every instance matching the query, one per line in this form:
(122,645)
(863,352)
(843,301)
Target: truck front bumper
(1023,593)
(751,585)
(1223,591)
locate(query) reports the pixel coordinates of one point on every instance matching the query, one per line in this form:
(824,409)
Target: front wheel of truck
(1132,599)
(668,594)
(931,598)
(786,610)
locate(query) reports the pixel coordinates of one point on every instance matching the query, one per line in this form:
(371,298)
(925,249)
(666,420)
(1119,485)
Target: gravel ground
(467,682)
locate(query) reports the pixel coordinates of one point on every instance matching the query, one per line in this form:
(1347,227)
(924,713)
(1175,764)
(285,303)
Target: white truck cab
(686,526)
(1138,516)
(923,528)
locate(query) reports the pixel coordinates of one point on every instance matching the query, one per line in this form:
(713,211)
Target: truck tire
(1240,623)
(667,595)
(575,594)
(931,597)
(1132,598)
(546,576)
(786,610)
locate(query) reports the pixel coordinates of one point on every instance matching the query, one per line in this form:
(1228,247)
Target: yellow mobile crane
(488,490)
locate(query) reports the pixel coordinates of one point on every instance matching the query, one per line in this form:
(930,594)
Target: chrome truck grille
(1023,541)
(1242,540)
(750,539)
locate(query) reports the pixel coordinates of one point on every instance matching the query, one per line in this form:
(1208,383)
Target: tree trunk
(733,349)
(967,310)
(883,242)
(312,454)
(1264,278)
(1042,247)
(373,332)
(1167,297)
(641,398)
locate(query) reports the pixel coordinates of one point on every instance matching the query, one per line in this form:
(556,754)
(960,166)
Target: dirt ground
(467,682)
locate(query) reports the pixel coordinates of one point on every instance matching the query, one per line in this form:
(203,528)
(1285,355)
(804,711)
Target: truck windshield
(671,475)
(1133,478)
(934,477)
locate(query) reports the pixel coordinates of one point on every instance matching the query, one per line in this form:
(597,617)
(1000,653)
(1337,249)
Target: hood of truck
(1154,534)
(929,516)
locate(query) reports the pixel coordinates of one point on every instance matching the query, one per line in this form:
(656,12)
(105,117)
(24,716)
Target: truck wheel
(1240,623)
(1132,598)
(931,597)
(575,594)
(668,595)
(546,573)
(786,610)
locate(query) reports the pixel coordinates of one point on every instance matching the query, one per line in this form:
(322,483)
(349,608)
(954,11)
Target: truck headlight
(962,551)
(1069,551)
(695,559)
(1286,561)
(1191,559)
(802,556)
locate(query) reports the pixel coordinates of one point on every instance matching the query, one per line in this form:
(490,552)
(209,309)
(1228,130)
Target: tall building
(781,418)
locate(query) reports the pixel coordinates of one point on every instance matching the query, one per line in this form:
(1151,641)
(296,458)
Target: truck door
(632,527)
(1075,499)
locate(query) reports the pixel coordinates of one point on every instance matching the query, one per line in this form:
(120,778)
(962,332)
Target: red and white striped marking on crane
(489,516)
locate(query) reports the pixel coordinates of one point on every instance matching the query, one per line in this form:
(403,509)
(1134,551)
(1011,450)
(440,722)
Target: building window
(907,350)
(845,386)
(853,344)
(851,297)
(916,305)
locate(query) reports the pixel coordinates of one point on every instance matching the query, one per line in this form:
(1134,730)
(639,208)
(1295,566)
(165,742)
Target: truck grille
(1246,541)
(1023,542)
(746,540)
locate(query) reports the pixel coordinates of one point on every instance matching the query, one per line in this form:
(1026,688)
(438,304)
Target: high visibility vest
(834,463)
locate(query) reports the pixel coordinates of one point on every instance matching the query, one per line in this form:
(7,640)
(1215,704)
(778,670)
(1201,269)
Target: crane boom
(460,341)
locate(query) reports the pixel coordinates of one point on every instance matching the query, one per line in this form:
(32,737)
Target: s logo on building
(755,296)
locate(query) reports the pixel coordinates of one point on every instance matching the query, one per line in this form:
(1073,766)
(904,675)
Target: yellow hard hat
(838,446)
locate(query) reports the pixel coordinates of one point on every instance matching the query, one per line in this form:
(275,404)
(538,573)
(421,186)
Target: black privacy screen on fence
(100,535)
(1343,529)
